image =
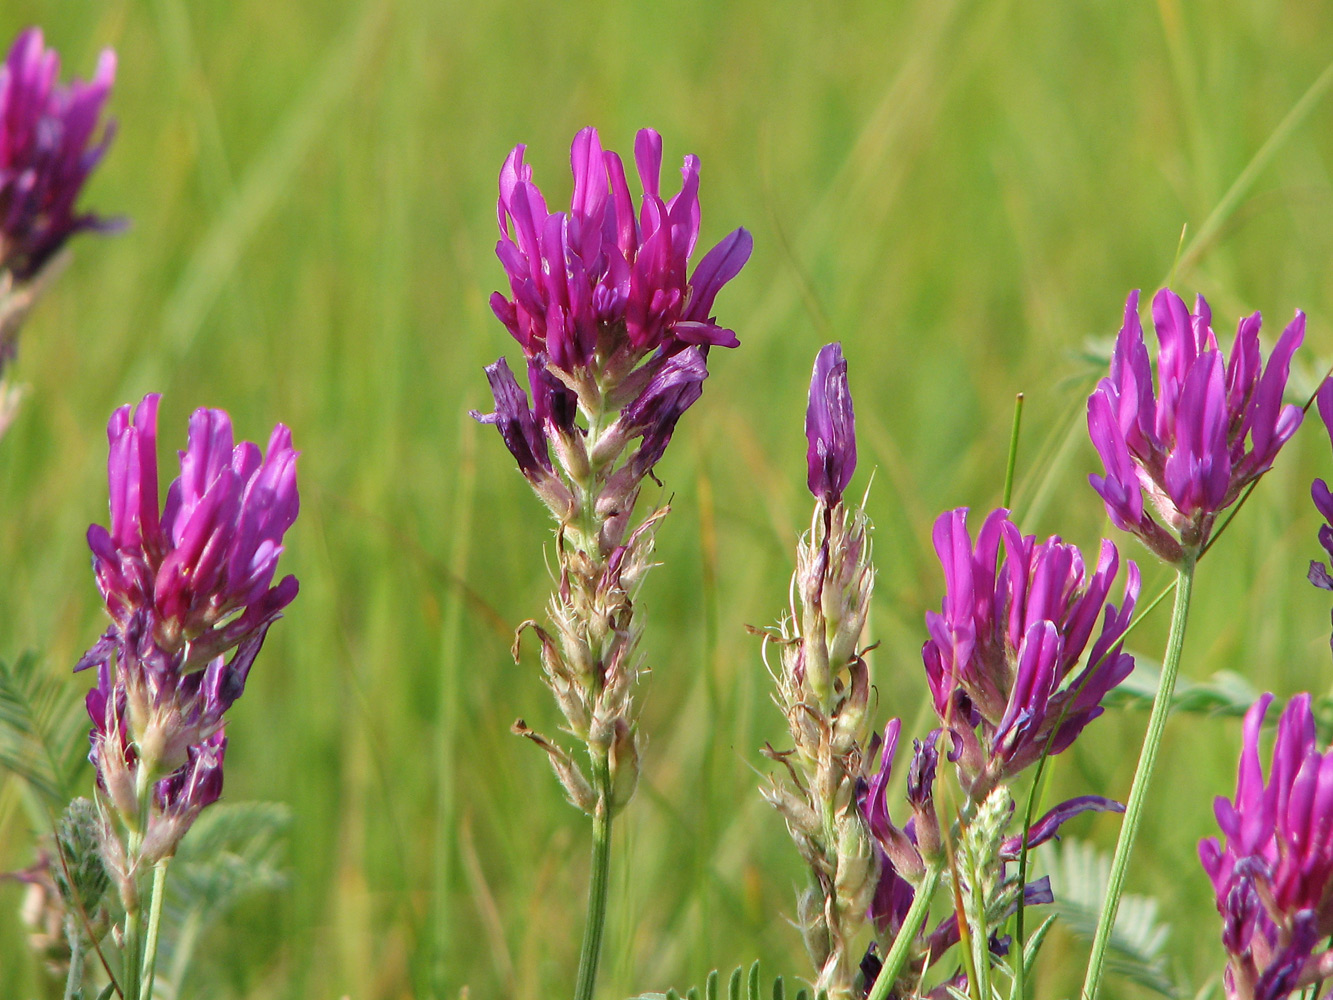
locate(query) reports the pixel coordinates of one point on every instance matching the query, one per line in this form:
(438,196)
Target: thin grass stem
(154,926)
(1013,452)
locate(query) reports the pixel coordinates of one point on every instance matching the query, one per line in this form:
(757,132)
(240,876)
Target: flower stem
(1138,792)
(902,944)
(154,924)
(74,936)
(130,954)
(599,879)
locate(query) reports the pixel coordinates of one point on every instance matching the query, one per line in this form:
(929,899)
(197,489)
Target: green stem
(154,924)
(74,935)
(903,943)
(599,880)
(138,830)
(130,954)
(1138,792)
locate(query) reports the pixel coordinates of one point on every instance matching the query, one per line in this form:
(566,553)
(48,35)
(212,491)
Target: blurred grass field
(962,191)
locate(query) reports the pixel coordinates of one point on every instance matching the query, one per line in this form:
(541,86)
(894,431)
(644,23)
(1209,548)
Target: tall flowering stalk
(1273,876)
(615,330)
(1184,452)
(823,689)
(50,142)
(190,593)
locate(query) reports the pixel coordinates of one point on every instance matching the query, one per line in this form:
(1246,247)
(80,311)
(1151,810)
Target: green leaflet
(742,985)
(1079,874)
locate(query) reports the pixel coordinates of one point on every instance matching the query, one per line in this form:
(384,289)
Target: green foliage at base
(742,985)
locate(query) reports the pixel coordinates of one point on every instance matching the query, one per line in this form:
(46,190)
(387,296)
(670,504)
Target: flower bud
(571,778)
(858,865)
(623,761)
(813,924)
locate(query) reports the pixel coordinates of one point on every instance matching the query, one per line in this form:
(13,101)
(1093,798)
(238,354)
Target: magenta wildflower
(1212,427)
(50,142)
(1273,880)
(1004,643)
(602,302)
(191,597)
(202,570)
(830,427)
(604,278)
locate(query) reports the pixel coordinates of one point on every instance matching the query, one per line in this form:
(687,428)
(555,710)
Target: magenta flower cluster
(50,141)
(1009,635)
(191,596)
(1273,877)
(1212,427)
(593,292)
(604,268)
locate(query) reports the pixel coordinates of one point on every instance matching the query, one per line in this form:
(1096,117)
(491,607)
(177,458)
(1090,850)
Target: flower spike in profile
(189,590)
(830,427)
(49,145)
(1211,427)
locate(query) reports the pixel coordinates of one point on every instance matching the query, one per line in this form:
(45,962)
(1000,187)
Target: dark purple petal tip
(830,427)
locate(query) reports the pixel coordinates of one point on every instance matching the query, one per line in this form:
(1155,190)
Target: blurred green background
(962,191)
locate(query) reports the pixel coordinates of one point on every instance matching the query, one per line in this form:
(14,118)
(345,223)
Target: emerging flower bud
(830,427)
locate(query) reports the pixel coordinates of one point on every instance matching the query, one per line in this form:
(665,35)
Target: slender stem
(1138,792)
(138,830)
(154,924)
(599,880)
(74,935)
(902,944)
(130,954)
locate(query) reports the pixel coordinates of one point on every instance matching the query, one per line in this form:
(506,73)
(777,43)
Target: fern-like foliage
(42,731)
(743,984)
(1225,693)
(233,851)
(1079,875)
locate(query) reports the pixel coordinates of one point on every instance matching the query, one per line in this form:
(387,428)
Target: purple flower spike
(1005,643)
(191,597)
(830,427)
(50,143)
(1273,879)
(605,277)
(1211,428)
(202,571)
